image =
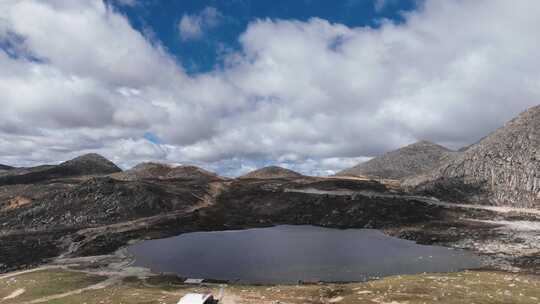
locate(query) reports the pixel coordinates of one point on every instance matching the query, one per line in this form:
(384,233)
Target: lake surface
(288,254)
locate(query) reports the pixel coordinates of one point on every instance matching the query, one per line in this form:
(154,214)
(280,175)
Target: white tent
(197,298)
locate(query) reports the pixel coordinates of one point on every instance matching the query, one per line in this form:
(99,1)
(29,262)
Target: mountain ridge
(271,172)
(6,168)
(153,170)
(87,164)
(501,169)
(406,161)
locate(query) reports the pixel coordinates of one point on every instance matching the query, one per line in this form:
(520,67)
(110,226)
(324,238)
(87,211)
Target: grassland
(68,286)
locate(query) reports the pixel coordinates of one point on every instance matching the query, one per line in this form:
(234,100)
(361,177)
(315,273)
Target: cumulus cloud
(312,95)
(192,27)
(380,5)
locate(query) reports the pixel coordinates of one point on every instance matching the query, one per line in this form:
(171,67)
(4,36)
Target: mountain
(164,171)
(410,160)
(272,172)
(501,169)
(6,168)
(49,211)
(187,171)
(89,164)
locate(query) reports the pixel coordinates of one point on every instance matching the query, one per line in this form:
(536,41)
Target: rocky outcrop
(164,171)
(272,172)
(407,161)
(501,169)
(89,164)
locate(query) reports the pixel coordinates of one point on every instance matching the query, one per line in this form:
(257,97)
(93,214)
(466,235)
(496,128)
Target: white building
(197,298)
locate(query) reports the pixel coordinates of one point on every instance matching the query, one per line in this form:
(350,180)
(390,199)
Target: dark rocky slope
(407,161)
(501,169)
(23,170)
(6,168)
(251,202)
(41,220)
(272,172)
(97,215)
(101,201)
(89,164)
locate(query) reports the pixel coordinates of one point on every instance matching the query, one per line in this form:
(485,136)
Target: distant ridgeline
(5,168)
(88,164)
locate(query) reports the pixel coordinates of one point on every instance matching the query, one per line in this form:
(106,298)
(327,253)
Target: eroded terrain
(98,215)
(75,225)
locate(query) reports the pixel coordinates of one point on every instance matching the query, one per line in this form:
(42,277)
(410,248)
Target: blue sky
(205,54)
(316,86)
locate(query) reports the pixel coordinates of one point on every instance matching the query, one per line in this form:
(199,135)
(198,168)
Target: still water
(288,254)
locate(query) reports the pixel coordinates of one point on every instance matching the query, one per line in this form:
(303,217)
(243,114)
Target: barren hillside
(410,160)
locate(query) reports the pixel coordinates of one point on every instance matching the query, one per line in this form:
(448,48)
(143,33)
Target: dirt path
(18,273)
(108,282)
(14,294)
(101,285)
(209,199)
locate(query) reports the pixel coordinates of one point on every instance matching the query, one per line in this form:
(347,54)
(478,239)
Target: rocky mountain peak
(188,171)
(272,172)
(152,170)
(426,144)
(407,161)
(91,163)
(501,169)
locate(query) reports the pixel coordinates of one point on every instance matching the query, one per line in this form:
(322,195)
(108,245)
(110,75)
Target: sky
(233,85)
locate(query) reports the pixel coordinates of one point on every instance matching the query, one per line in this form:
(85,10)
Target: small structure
(194,281)
(197,298)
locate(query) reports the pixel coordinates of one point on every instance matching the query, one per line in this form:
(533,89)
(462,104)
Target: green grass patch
(45,283)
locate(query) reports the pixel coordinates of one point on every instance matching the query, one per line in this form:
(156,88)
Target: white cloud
(192,27)
(380,5)
(75,77)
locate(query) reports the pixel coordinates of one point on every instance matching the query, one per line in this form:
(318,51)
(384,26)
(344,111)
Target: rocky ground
(44,216)
(98,215)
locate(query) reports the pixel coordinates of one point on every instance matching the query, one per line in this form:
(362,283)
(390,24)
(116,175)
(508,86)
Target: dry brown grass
(15,203)
(465,287)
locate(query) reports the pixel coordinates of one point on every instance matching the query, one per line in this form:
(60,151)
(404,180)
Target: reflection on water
(288,254)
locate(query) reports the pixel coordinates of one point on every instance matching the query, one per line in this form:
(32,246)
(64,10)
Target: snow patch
(517,225)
